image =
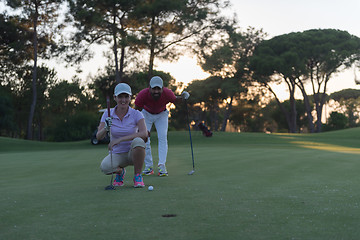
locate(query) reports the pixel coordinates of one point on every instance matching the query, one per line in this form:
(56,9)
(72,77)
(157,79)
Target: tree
(7,112)
(137,25)
(336,121)
(300,58)
(14,47)
(348,100)
(167,24)
(274,61)
(276,122)
(103,21)
(326,52)
(247,116)
(229,58)
(208,96)
(21,91)
(71,113)
(38,15)
(46,78)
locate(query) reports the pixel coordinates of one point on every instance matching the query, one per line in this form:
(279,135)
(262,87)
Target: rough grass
(246,186)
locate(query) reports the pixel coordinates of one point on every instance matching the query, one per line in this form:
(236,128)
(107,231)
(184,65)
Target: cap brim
(156,85)
(117,94)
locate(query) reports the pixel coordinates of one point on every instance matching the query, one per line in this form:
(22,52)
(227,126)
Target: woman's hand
(113,143)
(146,138)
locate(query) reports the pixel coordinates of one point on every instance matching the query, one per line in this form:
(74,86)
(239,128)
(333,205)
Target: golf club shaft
(188,121)
(112,170)
(108,105)
(111,161)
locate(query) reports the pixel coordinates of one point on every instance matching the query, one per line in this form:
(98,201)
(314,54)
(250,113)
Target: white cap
(156,82)
(122,88)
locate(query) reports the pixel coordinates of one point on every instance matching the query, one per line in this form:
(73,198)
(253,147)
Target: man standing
(152,101)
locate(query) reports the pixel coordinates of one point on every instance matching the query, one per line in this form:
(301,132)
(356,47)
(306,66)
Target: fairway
(245,186)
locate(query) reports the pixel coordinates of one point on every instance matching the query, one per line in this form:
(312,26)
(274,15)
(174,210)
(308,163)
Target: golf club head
(110,187)
(191,172)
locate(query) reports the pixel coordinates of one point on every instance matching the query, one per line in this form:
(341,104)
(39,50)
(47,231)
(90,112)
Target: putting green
(245,186)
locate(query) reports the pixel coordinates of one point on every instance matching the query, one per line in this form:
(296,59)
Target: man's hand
(108,123)
(185,95)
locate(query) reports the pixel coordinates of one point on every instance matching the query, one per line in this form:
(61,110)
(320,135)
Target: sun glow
(184,70)
(327,147)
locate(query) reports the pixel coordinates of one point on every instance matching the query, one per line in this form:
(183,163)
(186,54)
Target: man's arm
(139,101)
(178,99)
(184,96)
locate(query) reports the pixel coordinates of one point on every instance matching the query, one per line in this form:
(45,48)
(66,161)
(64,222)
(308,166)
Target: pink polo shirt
(121,128)
(146,101)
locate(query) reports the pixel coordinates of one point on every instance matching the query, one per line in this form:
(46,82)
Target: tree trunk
(319,108)
(307,107)
(351,115)
(117,75)
(293,112)
(122,58)
(318,116)
(281,106)
(319,103)
(227,114)
(309,113)
(152,49)
(323,99)
(34,92)
(320,97)
(216,117)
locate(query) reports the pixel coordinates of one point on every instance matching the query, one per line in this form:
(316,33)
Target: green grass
(246,186)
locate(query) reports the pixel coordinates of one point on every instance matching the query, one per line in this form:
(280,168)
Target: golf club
(110,187)
(192,152)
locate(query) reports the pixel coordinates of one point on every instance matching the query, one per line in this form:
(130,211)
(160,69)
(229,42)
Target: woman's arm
(101,131)
(142,133)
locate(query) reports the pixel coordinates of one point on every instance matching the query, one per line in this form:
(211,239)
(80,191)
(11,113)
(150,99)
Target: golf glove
(108,122)
(185,95)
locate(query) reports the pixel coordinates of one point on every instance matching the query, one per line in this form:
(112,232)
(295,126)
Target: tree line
(243,66)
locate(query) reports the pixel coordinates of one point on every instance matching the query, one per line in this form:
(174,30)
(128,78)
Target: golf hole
(169,215)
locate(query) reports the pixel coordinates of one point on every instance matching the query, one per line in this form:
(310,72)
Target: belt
(156,113)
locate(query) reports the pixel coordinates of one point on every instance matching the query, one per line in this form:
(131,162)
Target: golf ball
(151,188)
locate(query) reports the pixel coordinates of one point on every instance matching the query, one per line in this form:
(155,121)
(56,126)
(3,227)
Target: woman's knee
(138,142)
(105,167)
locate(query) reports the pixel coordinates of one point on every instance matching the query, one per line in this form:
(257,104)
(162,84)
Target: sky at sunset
(279,17)
(275,17)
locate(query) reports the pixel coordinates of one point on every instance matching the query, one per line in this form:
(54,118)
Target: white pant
(161,122)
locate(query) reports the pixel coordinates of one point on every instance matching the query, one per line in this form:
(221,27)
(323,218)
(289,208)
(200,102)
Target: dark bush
(77,127)
(336,121)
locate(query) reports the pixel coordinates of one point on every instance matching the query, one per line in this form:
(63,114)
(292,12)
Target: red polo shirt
(146,101)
